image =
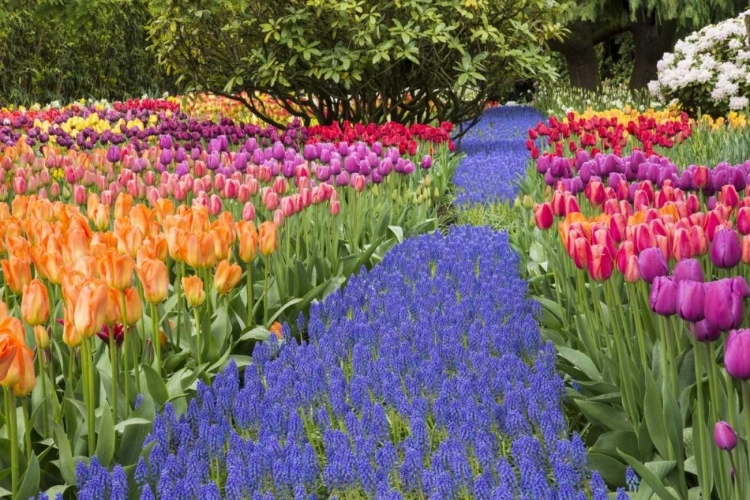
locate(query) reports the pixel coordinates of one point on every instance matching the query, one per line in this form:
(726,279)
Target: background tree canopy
(361,60)
(68,49)
(655,26)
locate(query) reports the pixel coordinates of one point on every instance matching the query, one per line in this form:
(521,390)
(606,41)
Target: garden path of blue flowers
(425,378)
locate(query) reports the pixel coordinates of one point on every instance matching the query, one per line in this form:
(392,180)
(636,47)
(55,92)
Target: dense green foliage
(407,60)
(65,50)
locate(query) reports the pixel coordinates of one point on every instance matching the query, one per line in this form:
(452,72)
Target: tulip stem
(250,298)
(126,373)
(115,373)
(701,454)
(178,290)
(746,412)
(265,293)
(88,390)
(10,410)
(198,346)
(43,375)
(155,338)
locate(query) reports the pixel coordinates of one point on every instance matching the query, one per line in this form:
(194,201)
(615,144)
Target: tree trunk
(652,39)
(580,56)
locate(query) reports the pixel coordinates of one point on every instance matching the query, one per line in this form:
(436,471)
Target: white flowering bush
(708,69)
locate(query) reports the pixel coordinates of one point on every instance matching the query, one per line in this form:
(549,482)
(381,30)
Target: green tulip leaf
(30,481)
(155,384)
(398,232)
(257,333)
(605,415)
(581,362)
(121,426)
(611,470)
(609,442)
(105,445)
(66,462)
(654,415)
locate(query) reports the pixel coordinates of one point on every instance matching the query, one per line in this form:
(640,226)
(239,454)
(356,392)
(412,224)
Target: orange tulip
(176,243)
(164,208)
(117,270)
(17,273)
(114,301)
(144,219)
(71,337)
(123,204)
(41,337)
(194,293)
(16,361)
(72,282)
(276,330)
(134,307)
(199,250)
(19,206)
(129,240)
(223,241)
(154,277)
(268,238)
(101,217)
(18,246)
(248,246)
(227,276)
(35,303)
(91,309)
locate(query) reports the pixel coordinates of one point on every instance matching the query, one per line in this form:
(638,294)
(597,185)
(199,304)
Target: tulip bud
(543,215)
(688,269)
(724,436)
(663,298)
(723,305)
(41,337)
(726,250)
(652,264)
(195,295)
(691,297)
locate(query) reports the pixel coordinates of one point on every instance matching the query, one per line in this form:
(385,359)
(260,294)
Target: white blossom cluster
(713,61)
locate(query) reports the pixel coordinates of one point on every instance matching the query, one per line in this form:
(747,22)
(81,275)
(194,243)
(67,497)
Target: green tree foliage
(361,60)
(68,49)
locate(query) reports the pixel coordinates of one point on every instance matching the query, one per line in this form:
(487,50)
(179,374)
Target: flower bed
(426,374)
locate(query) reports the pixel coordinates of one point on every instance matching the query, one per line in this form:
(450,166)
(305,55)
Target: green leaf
(609,442)
(398,232)
(580,361)
(105,445)
(612,471)
(66,462)
(121,426)
(257,333)
(156,387)
(30,482)
(652,473)
(537,253)
(607,416)
(654,415)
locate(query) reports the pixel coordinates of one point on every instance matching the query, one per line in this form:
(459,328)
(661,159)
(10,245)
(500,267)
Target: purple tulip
(663,296)
(165,158)
(165,141)
(688,270)
(726,250)
(704,332)
(652,264)
(723,306)
(213,161)
(542,164)
(180,155)
(278,151)
(240,161)
(691,296)
(113,154)
(724,435)
(351,165)
(426,162)
(737,354)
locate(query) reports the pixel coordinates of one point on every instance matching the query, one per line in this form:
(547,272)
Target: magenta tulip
(726,250)
(737,354)
(663,299)
(652,264)
(724,435)
(723,305)
(688,269)
(691,296)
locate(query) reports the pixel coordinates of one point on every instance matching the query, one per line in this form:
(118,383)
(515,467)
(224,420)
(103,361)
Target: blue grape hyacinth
(425,377)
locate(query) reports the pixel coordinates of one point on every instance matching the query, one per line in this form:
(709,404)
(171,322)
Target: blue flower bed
(424,378)
(496,155)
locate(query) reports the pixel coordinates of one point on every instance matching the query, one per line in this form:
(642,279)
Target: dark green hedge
(69,49)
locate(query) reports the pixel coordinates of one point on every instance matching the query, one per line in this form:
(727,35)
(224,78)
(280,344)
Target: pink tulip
(180,192)
(214,205)
(200,168)
(219,182)
(271,200)
(149,178)
(19,185)
(335,208)
(243,194)
(287,206)
(280,185)
(79,194)
(278,218)
(252,186)
(132,189)
(306,196)
(54,190)
(106,197)
(248,211)
(231,188)
(152,194)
